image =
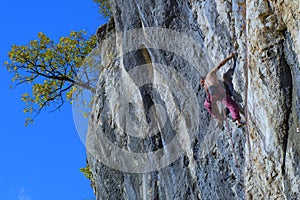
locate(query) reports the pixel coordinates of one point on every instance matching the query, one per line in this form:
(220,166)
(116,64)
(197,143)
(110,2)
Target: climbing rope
(227,129)
(246,76)
(231,140)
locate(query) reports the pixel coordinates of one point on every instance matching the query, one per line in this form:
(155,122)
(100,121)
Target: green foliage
(50,68)
(104,7)
(87,172)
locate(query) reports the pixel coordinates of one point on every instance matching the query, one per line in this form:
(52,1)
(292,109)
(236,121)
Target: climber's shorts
(228,102)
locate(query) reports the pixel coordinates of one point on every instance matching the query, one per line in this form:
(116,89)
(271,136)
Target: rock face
(149,134)
(272,165)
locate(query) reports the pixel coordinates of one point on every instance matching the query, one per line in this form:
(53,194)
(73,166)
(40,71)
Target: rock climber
(216,92)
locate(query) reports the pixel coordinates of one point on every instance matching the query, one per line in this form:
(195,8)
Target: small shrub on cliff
(87,172)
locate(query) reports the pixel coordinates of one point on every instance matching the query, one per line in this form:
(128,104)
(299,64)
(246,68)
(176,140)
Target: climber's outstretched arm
(220,64)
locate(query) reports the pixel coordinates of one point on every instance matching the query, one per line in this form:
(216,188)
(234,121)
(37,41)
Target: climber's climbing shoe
(239,123)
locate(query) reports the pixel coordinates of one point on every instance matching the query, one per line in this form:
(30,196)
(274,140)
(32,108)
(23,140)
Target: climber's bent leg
(212,110)
(232,106)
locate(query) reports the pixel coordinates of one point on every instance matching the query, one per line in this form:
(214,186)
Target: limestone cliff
(149,135)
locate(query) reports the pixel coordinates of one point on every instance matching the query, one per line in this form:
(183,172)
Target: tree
(51,69)
(104,7)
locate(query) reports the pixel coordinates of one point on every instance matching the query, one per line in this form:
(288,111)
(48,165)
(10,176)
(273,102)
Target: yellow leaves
(28,110)
(34,43)
(69,94)
(11,55)
(53,83)
(78,60)
(61,40)
(104,7)
(41,35)
(87,172)
(25,97)
(85,115)
(59,46)
(28,121)
(48,62)
(64,40)
(44,40)
(72,34)
(45,91)
(36,88)
(77,34)
(16,77)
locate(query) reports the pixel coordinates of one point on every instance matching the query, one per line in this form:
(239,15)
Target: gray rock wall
(273,96)
(149,126)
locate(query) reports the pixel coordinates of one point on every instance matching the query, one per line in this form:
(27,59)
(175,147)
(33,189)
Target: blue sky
(41,161)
